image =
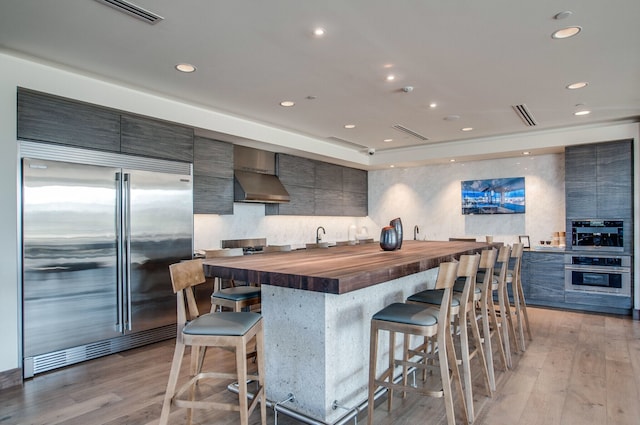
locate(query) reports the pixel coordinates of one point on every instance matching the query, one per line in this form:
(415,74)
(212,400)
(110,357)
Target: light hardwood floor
(580,369)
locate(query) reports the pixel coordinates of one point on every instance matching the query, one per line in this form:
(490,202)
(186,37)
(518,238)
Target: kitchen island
(317,306)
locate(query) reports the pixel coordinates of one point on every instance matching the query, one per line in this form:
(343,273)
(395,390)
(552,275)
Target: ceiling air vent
(409,132)
(133,10)
(523,112)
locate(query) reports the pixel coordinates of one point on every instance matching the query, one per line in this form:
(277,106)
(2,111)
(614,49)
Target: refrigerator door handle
(120,249)
(126,199)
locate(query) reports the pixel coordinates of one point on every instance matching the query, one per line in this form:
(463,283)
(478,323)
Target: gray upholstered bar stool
(413,319)
(467,270)
(235,298)
(233,330)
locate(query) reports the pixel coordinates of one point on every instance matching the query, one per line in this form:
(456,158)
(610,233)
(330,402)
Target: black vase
(397,224)
(388,238)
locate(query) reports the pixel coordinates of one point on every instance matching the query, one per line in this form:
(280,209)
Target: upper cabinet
(212,176)
(320,188)
(153,138)
(52,119)
(599,180)
(46,118)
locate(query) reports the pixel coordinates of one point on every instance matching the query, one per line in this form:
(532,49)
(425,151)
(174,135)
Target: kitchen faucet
(416,230)
(318,237)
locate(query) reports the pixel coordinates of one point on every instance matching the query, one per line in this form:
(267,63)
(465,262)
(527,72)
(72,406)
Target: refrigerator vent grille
(107,159)
(133,10)
(82,353)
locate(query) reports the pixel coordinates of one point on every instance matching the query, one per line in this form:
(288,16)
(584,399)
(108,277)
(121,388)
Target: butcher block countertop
(339,269)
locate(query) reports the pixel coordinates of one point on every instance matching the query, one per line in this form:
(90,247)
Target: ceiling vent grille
(133,10)
(523,112)
(409,132)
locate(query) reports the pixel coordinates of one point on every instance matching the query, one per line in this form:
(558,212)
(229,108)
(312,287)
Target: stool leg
(524,310)
(496,326)
(466,368)
(261,375)
(241,365)
(373,356)
(392,351)
(480,352)
(506,323)
(488,349)
(173,381)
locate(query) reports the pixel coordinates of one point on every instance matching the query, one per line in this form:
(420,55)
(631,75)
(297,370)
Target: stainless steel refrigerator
(97,242)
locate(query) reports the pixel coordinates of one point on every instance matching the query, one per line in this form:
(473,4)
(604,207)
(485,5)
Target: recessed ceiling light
(582,112)
(526,153)
(433,105)
(287,103)
(392,166)
(185,67)
(578,85)
(349,126)
(566,32)
(388,140)
(391,77)
(452,160)
(563,14)
(467,129)
(319,32)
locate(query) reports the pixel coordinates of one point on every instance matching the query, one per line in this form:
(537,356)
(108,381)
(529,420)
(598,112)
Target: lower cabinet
(543,285)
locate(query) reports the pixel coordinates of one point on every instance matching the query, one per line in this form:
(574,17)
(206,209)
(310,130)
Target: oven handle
(597,269)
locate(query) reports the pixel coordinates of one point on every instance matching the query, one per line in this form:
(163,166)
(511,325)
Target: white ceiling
(474,58)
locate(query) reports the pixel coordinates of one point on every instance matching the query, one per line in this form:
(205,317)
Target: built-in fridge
(99,231)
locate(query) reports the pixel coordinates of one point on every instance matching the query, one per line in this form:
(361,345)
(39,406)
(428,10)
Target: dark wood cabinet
(599,180)
(46,118)
(212,176)
(320,188)
(159,139)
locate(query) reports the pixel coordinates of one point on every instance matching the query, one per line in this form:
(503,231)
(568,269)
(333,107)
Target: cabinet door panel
(355,204)
(328,202)
(158,139)
(47,118)
(354,180)
(212,195)
(580,181)
(293,170)
(212,158)
(614,185)
(302,202)
(328,176)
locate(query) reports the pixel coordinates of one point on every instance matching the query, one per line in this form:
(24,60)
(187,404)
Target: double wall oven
(597,262)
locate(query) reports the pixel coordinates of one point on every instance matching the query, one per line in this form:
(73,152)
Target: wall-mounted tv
(493,196)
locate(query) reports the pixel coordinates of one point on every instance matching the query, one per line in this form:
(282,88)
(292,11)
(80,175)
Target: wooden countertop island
(317,306)
(339,269)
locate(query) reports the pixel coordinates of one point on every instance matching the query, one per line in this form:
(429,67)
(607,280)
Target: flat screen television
(493,196)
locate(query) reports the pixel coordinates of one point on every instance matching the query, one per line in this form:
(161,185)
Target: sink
(317,245)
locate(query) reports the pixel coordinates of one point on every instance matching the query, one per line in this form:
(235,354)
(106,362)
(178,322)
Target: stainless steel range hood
(255,179)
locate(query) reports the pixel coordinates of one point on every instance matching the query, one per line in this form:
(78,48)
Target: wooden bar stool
(520,305)
(414,319)
(233,330)
(467,270)
(235,298)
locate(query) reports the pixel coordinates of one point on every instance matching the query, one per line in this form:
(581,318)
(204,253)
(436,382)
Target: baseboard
(10,378)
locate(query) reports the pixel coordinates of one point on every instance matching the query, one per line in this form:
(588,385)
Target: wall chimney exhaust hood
(254,177)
